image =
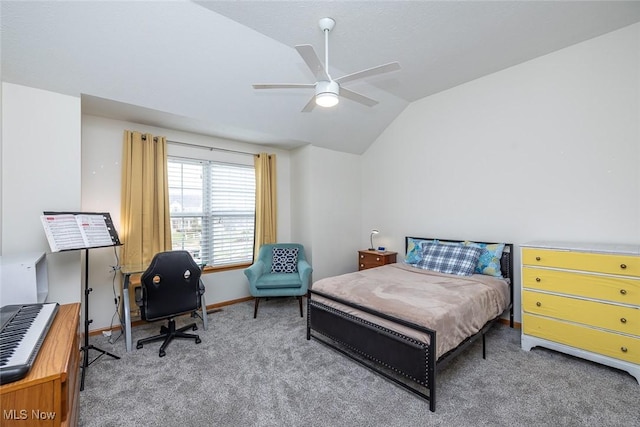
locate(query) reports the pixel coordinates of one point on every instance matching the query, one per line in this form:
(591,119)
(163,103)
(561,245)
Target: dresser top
(614,248)
(375,252)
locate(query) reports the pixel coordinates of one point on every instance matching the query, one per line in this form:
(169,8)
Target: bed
(406,322)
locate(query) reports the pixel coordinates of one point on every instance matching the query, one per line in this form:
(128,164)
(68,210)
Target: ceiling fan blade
(284,86)
(309,55)
(355,96)
(310,105)
(391,66)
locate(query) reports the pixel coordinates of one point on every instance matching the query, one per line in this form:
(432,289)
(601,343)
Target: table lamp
(374,231)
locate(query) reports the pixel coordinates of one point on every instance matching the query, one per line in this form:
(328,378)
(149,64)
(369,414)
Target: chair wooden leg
(255,307)
(300,302)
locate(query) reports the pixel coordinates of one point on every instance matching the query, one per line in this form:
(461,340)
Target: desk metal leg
(203,309)
(127,313)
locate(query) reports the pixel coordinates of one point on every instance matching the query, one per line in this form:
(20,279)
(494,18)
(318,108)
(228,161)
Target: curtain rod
(204,147)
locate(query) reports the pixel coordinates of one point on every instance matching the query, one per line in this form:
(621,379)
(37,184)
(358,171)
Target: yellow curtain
(266,208)
(144,215)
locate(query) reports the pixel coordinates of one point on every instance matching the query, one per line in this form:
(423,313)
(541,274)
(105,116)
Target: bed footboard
(404,360)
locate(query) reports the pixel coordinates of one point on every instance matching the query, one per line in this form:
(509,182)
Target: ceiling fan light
(327,99)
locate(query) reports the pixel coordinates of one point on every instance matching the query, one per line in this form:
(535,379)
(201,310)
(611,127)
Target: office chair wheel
(198,340)
(195,328)
(138,346)
(162,353)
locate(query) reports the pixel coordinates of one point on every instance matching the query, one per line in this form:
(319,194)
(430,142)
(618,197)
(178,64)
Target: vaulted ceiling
(190,65)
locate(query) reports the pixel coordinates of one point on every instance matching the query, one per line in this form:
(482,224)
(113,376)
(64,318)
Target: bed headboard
(506,262)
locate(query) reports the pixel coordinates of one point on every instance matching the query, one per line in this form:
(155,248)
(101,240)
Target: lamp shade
(327,92)
(327,99)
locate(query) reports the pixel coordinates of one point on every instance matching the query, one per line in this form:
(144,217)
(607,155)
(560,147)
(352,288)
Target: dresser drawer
(601,315)
(600,263)
(616,289)
(583,337)
(371,259)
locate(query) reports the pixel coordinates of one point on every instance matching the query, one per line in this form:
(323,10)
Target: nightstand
(371,259)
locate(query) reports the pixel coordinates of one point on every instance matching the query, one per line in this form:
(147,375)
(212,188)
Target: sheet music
(94,230)
(67,231)
(62,232)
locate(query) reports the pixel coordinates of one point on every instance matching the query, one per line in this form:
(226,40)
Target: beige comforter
(456,307)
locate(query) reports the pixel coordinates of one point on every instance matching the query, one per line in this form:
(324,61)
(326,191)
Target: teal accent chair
(263,283)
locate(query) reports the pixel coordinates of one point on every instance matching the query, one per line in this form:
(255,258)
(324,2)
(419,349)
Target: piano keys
(24,328)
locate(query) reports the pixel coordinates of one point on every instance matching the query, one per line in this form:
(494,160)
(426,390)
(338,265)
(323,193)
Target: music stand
(68,231)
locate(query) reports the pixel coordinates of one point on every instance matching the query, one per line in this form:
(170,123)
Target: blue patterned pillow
(285,260)
(451,259)
(489,261)
(414,250)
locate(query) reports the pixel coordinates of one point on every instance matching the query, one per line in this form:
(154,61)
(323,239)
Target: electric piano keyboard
(24,328)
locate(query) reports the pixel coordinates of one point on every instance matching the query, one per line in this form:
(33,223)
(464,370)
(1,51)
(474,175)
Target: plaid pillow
(450,259)
(285,260)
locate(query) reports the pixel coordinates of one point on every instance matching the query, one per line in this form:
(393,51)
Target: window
(212,208)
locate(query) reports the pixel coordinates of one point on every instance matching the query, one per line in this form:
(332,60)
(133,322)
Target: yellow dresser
(584,300)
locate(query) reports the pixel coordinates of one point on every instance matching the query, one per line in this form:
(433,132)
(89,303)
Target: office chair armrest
(254,272)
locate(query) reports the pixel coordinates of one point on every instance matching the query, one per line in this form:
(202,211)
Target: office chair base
(168,334)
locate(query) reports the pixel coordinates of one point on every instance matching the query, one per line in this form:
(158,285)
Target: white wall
(335,188)
(326,208)
(1,150)
(302,197)
(40,171)
(101,183)
(549,149)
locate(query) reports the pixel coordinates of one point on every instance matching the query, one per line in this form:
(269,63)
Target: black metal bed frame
(404,360)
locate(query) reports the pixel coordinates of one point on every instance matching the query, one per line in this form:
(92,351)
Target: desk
(52,386)
(127,271)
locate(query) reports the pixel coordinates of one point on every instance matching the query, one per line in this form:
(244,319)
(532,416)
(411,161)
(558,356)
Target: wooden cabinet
(48,395)
(584,300)
(370,259)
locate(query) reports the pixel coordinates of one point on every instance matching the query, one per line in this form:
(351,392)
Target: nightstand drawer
(607,316)
(583,337)
(371,259)
(616,289)
(585,261)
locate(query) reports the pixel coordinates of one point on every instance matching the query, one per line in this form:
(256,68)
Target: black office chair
(170,287)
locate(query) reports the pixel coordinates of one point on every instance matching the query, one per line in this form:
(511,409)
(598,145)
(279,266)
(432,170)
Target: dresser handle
(623,320)
(623,266)
(539,304)
(377,259)
(361,256)
(537,279)
(624,349)
(361,265)
(537,258)
(623,291)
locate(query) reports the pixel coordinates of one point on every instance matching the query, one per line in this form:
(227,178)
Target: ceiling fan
(327,88)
